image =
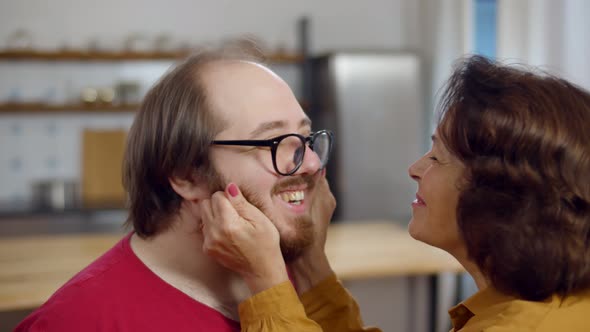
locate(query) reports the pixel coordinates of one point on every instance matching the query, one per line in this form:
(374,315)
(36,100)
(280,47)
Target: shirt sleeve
(276,309)
(327,307)
(333,308)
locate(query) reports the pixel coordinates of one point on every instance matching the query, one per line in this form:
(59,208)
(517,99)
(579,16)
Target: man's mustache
(307,180)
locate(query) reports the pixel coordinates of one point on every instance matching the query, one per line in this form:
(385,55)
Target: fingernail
(232,189)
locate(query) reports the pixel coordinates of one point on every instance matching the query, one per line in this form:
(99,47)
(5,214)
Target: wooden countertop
(33,267)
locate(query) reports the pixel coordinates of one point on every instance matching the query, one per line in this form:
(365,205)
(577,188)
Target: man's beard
(294,246)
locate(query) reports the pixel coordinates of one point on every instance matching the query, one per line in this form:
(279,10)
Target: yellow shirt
(491,311)
(328,307)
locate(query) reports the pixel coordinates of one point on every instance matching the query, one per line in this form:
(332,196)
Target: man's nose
(311,162)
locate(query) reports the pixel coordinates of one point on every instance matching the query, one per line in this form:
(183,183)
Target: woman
(505,189)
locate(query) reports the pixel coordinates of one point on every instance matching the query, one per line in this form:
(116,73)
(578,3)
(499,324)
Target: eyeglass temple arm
(245,143)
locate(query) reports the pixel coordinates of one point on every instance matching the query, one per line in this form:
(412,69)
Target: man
(216,118)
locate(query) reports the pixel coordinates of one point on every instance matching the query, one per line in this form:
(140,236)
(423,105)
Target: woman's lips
(418,201)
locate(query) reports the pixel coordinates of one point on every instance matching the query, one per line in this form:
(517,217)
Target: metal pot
(56,194)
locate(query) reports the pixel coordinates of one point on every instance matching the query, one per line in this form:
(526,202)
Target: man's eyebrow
(305,122)
(267,126)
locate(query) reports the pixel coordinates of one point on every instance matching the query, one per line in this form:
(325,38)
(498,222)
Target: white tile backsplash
(35,147)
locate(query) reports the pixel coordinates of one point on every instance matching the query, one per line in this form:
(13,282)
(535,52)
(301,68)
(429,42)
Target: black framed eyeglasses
(288,150)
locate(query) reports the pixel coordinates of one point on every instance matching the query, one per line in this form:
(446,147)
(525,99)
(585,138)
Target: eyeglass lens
(321,146)
(290,152)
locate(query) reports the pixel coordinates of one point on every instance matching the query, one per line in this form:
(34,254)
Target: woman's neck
(481,281)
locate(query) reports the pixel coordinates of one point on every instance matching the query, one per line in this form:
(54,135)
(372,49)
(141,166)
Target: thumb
(244,208)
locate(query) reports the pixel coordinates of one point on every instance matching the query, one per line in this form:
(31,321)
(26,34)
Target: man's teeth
(294,197)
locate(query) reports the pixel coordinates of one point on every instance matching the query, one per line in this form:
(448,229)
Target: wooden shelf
(39,108)
(81,55)
(101,56)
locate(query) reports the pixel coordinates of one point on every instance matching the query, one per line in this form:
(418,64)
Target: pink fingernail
(232,189)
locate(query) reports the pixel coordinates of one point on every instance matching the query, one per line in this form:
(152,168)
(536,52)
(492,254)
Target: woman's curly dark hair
(524,210)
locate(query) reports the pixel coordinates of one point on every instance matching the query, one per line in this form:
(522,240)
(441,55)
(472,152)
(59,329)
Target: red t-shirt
(117,292)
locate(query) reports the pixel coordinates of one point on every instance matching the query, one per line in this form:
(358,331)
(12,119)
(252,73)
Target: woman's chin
(413,229)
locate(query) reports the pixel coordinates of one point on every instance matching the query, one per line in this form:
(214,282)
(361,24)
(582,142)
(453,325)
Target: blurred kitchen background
(73,72)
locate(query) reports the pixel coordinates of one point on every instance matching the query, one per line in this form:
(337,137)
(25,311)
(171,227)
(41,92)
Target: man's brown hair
(524,209)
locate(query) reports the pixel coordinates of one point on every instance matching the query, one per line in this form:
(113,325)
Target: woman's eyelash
(433,158)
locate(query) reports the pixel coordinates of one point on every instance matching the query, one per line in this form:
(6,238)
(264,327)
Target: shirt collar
(474,305)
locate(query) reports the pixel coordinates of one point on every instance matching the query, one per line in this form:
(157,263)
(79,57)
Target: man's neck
(176,256)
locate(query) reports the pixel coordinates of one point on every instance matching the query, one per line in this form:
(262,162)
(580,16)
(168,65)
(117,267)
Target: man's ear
(193,188)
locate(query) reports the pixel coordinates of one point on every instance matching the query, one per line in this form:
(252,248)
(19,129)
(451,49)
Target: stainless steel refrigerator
(374,103)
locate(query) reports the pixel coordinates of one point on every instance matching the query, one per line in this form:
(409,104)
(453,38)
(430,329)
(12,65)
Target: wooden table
(382,249)
(33,267)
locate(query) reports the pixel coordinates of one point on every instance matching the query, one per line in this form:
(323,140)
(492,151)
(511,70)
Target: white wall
(337,24)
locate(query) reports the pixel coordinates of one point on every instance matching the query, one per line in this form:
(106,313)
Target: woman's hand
(313,266)
(243,239)
(322,210)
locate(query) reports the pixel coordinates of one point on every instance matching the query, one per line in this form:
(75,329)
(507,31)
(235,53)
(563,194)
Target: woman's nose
(415,170)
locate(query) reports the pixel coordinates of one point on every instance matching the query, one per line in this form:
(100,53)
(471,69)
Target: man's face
(257,104)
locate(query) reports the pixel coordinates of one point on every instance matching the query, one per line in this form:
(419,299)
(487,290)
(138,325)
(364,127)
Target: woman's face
(434,218)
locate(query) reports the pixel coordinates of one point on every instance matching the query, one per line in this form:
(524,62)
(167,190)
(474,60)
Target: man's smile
(293,197)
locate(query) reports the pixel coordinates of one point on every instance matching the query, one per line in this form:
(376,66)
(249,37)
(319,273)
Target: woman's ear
(192,188)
